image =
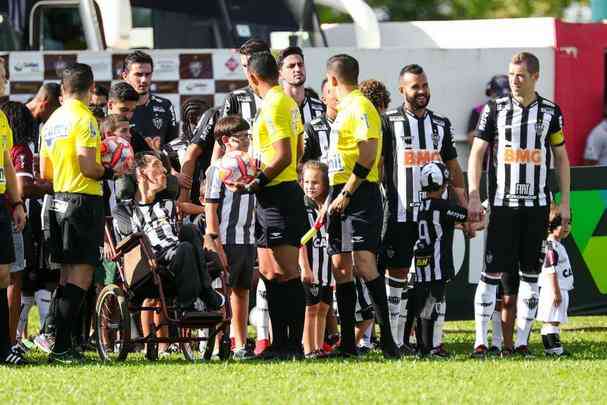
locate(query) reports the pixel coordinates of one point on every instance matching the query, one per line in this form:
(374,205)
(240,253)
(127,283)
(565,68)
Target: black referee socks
(346,302)
(296,313)
(377,290)
(68,307)
(275,297)
(5,343)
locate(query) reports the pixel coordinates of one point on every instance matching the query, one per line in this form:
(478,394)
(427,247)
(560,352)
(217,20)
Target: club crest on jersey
(541,128)
(157,121)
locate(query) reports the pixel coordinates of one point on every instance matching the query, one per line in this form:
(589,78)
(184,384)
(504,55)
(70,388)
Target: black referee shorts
(515,238)
(7,247)
(398,240)
(280,215)
(359,228)
(76,224)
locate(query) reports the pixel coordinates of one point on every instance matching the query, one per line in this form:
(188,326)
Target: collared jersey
(156,119)
(556,261)
(316,139)
(409,142)
(6,144)
(278,119)
(521,140)
(357,120)
(242,102)
(70,127)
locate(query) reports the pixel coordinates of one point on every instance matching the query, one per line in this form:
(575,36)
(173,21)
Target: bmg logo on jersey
(419,157)
(522,156)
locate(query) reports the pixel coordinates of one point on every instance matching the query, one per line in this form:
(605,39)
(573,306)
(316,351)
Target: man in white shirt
(596,144)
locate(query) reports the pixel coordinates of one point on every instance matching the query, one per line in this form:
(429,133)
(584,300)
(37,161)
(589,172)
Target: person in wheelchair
(178,248)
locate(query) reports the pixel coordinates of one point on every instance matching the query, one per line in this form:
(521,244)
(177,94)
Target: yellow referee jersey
(70,127)
(278,118)
(357,120)
(6,143)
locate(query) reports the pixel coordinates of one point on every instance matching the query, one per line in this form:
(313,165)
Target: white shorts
(19,264)
(547,312)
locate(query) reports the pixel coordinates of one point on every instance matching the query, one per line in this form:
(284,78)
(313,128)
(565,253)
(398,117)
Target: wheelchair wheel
(225,347)
(112,324)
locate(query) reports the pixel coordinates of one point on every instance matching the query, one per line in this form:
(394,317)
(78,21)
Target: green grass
(579,379)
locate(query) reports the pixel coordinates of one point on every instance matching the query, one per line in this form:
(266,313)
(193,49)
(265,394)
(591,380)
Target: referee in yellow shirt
(70,158)
(10,196)
(280,211)
(355,212)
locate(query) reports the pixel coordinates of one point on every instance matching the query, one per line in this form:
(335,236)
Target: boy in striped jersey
(433,256)
(315,262)
(230,219)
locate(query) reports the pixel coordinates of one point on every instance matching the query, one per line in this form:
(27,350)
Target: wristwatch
(346,194)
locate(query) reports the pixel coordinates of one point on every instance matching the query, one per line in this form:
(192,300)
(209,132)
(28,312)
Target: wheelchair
(139,276)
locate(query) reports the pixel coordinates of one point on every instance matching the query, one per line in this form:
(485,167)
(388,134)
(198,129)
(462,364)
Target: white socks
(526,309)
(484,305)
(263,315)
(394,291)
(437,336)
(402,319)
(497,337)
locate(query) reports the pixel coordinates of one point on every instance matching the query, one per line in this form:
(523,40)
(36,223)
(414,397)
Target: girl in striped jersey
(315,262)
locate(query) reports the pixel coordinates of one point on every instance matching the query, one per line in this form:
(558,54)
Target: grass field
(579,379)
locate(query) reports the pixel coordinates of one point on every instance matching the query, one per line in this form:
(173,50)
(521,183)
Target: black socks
(5,343)
(346,302)
(377,290)
(68,308)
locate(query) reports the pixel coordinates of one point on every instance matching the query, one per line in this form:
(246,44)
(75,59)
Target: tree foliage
(415,10)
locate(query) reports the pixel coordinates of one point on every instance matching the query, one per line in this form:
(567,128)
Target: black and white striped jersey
(316,139)
(242,102)
(311,108)
(158,222)
(434,248)
(409,142)
(317,249)
(236,211)
(520,139)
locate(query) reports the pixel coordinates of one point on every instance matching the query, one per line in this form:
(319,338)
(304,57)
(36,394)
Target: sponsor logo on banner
(24,87)
(228,86)
(226,65)
(100,62)
(54,64)
(195,66)
(165,87)
(204,86)
(26,66)
(166,67)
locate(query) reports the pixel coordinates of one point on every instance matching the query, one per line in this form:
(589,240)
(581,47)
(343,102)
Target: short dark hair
(264,66)
(252,46)
(123,91)
(53,93)
(529,59)
(413,68)
(376,92)
(291,50)
(345,68)
(137,57)
(21,121)
(77,78)
(228,126)
(100,90)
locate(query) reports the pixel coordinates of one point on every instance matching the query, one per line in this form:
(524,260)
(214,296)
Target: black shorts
(76,222)
(7,247)
(398,240)
(359,228)
(515,239)
(241,260)
(280,215)
(315,294)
